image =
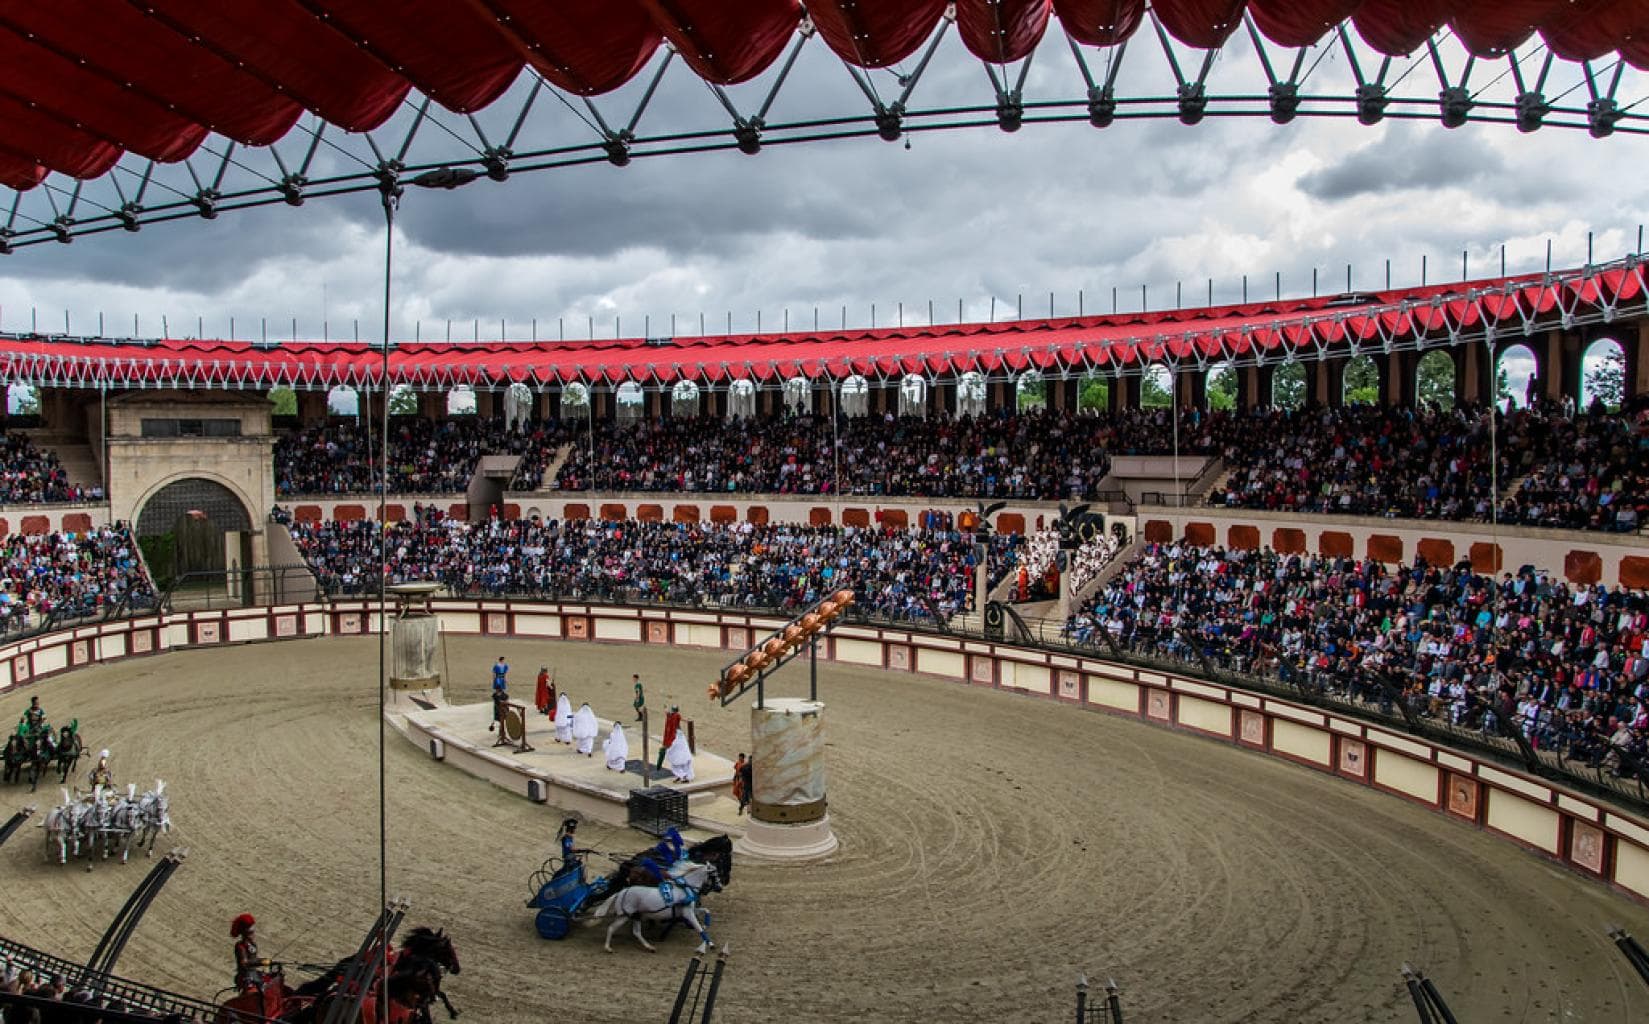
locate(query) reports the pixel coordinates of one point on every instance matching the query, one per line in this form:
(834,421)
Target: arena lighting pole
(389,192)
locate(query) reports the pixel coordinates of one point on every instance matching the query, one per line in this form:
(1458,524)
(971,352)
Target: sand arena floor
(993,846)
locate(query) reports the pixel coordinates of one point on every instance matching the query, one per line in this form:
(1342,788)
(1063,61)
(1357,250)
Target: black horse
(717,851)
(426,955)
(16,755)
(42,751)
(69,748)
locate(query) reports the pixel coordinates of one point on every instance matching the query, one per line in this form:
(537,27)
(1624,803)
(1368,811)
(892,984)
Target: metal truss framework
(537,127)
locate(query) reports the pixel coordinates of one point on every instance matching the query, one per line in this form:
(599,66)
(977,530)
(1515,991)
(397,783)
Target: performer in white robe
(680,758)
(617,748)
(584,729)
(563,719)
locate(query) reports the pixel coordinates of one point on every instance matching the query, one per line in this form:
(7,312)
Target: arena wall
(1583,833)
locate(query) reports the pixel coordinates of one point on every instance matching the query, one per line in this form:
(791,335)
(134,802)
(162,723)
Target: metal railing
(133,996)
(206,590)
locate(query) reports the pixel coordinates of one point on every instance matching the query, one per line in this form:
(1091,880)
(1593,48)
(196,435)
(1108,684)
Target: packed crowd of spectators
(1033,455)
(33,476)
(425,456)
(1564,664)
(1555,468)
(898,574)
(69,576)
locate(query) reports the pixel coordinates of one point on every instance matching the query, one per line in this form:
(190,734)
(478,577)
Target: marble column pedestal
(788,816)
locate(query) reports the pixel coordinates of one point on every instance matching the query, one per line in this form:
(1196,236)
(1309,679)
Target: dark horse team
(34,748)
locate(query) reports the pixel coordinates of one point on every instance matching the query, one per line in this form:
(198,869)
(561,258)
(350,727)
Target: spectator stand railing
(147,1000)
(1169,499)
(204,590)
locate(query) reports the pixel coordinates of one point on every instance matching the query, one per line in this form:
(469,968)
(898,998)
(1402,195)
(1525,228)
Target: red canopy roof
(1309,328)
(83,81)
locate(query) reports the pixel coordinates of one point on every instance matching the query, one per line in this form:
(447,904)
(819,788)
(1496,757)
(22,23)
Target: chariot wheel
(554,923)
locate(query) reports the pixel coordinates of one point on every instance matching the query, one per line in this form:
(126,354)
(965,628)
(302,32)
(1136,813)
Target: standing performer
(567,836)
(617,748)
(541,694)
(247,965)
(500,700)
(672,725)
(563,719)
(100,774)
(747,775)
(641,697)
(740,792)
(585,727)
(681,758)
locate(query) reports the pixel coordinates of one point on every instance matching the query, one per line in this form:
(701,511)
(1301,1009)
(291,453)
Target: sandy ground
(993,846)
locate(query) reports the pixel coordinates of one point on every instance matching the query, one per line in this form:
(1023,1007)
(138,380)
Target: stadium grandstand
(1393,534)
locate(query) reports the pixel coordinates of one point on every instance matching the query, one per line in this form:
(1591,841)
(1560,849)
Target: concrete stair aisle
(82,466)
(562,454)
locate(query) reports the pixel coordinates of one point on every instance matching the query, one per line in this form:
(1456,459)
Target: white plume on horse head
(160,787)
(131,791)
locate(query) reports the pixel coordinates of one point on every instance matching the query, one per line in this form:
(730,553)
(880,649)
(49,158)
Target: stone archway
(182,525)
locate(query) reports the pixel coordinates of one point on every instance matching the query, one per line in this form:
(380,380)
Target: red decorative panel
(5,527)
(512,510)
(1583,567)
(1156,704)
(349,513)
(685,514)
(895,518)
(1634,572)
(1070,684)
(1435,551)
(757,514)
(723,514)
(1334,544)
(307,514)
(1586,846)
(395,513)
(1251,728)
(578,627)
(855,517)
(1244,538)
(613,512)
(1010,522)
(1159,531)
(77,522)
(1486,557)
(1383,547)
(1353,759)
(658,632)
(1286,540)
(459,511)
(1201,534)
(650,513)
(1462,797)
(33,525)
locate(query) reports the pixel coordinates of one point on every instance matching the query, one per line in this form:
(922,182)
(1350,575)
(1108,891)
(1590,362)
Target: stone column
(788,810)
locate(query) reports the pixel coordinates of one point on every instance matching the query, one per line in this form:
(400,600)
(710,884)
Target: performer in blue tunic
(570,852)
(500,673)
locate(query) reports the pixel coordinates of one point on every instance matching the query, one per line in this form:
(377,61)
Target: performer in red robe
(672,722)
(544,695)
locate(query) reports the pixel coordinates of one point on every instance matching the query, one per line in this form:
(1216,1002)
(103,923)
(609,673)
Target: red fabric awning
(83,81)
(1308,326)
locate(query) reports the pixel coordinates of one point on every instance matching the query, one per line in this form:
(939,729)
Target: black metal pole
(715,983)
(10,827)
(1113,999)
(686,987)
(1081,999)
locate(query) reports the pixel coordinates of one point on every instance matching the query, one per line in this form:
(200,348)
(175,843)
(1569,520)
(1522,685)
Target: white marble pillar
(788,809)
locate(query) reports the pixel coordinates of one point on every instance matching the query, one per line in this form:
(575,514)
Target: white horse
(124,821)
(155,817)
(62,825)
(674,900)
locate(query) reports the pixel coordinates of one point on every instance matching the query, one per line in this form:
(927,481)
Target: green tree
(403,401)
(1154,389)
(1033,392)
(1361,385)
(24,400)
(1094,395)
(1434,380)
(1222,388)
(284,401)
(1605,380)
(1288,385)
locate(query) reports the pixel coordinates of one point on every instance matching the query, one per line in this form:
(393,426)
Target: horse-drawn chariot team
(35,749)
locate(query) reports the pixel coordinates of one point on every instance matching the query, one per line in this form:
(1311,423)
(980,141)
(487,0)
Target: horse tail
(609,907)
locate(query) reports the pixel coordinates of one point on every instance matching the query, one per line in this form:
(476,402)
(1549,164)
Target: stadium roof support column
(1549,365)
(1316,383)
(1191,389)
(311,407)
(1567,357)
(1128,390)
(1471,378)
(1333,372)
(1637,361)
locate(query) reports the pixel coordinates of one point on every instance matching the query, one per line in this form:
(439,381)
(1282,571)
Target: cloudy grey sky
(971,215)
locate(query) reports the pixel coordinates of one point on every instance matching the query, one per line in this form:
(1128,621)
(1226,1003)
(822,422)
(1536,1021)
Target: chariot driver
(570,851)
(100,774)
(248,968)
(35,716)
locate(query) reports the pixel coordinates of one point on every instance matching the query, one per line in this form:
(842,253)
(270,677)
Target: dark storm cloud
(1404,159)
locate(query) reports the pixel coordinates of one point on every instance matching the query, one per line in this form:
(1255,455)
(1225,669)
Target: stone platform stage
(571,782)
